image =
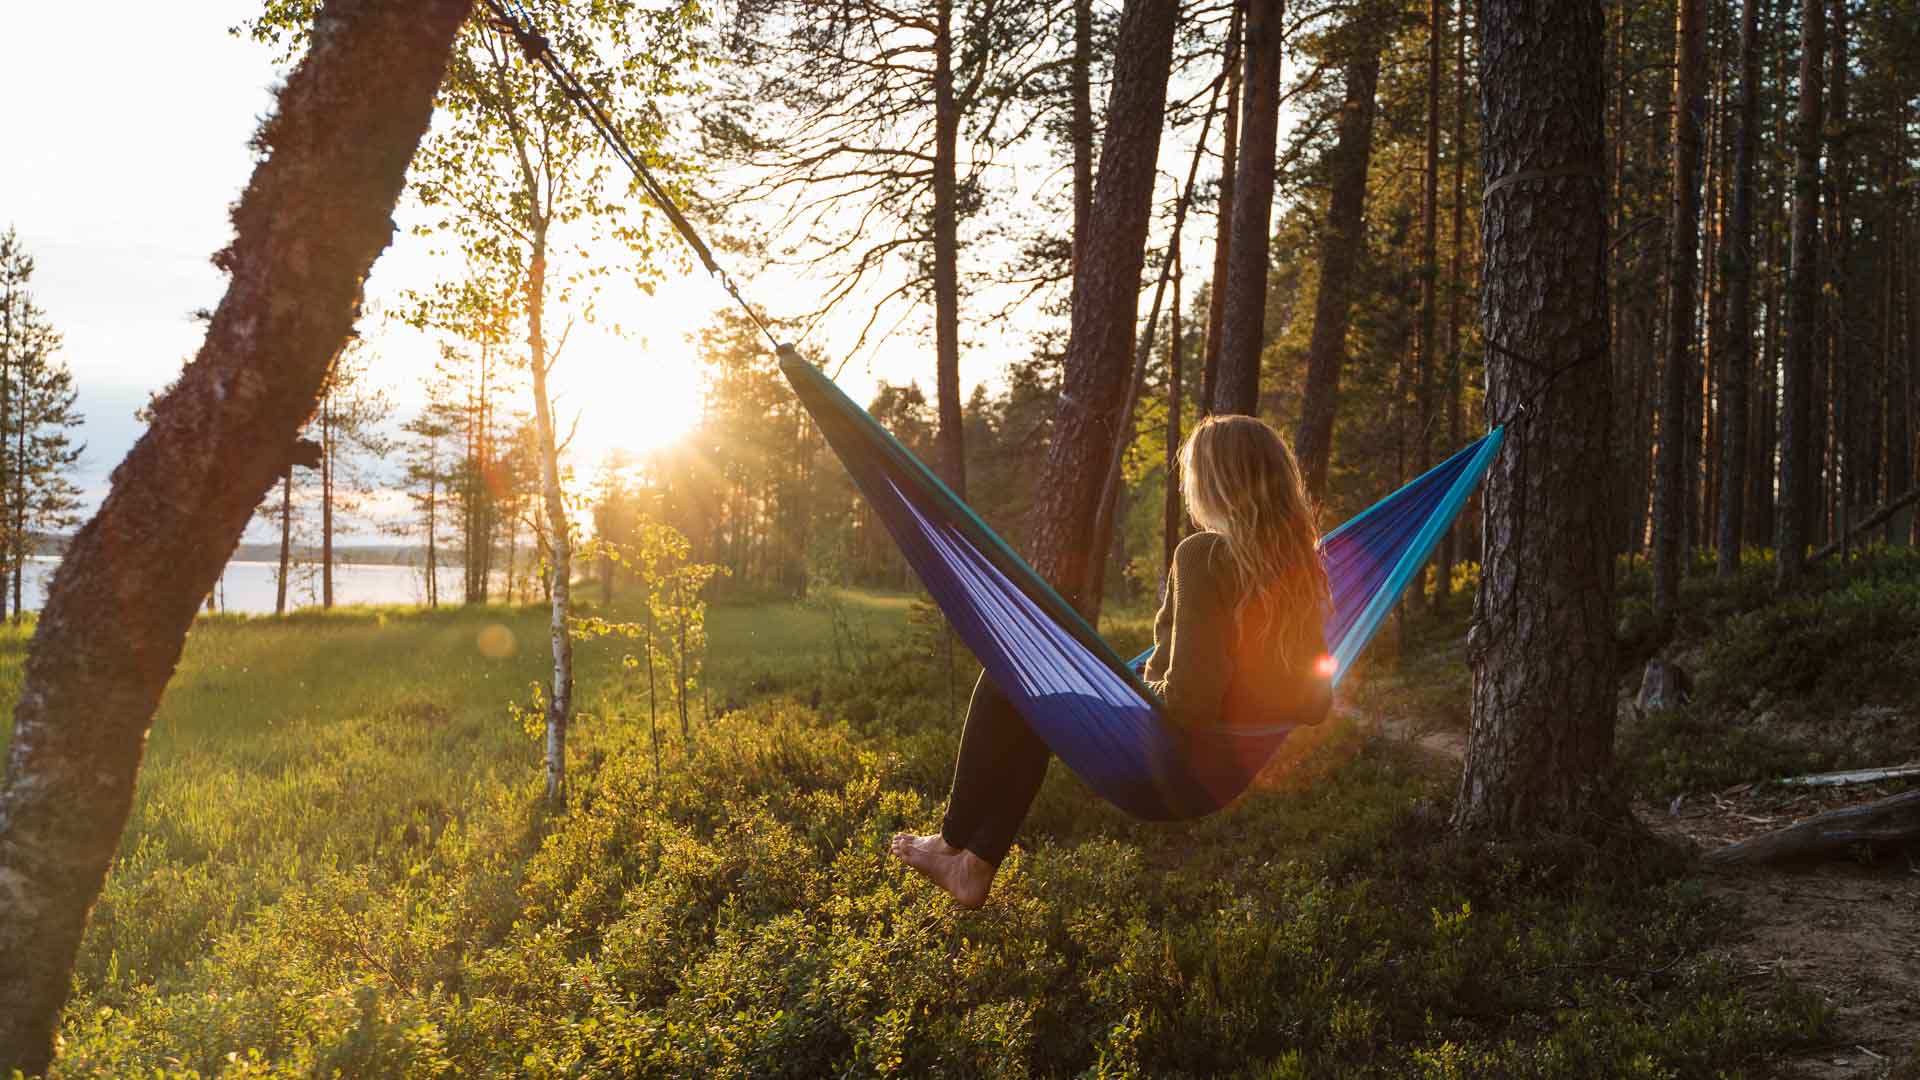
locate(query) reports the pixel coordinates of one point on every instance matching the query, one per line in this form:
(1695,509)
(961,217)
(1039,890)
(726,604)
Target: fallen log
(1852,776)
(1893,820)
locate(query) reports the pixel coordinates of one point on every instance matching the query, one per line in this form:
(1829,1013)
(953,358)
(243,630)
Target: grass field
(338,864)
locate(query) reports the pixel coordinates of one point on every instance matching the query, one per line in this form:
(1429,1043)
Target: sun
(628,396)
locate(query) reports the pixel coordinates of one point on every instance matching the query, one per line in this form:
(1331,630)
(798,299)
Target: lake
(248,587)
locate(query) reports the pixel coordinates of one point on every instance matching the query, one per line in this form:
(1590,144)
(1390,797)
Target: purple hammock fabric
(1088,705)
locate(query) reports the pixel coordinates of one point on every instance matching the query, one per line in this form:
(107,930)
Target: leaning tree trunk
(1540,753)
(1676,376)
(1790,528)
(1237,389)
(1738,347)
(1340,251)
(307,229)
(1105,292)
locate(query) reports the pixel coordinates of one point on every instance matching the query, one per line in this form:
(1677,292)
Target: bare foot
(965,876)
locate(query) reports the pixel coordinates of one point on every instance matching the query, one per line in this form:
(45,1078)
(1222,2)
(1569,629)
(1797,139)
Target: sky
(121,162)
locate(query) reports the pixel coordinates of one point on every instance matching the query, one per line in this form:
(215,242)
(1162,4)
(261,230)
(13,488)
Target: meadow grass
(339,864)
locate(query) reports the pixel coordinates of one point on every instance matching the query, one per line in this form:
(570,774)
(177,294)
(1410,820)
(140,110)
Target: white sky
(126,141)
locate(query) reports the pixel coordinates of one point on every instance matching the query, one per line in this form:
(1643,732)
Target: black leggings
(1001,765)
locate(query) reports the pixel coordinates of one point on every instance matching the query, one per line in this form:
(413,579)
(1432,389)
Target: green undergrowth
(338,864)
(1826,676)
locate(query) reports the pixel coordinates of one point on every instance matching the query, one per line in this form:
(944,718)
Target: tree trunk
(1223,232)
(1737,351)
(946,257)
(1243,329)
(1540,752)
(1790,528)
(433,560)
(1884,822)
(1340,252)
(1683,234)
(326,505)
(1457,275)
(1082,124)
(316,213)
(1172,517)
(1105,294)
(286,542)
(1429,260)
(560,535)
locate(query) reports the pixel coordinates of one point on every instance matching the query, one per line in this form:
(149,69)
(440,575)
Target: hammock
(1089,706)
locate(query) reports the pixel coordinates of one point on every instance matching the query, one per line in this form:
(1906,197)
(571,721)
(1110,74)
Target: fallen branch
(1854,776)
(1874,520)
(1894,820)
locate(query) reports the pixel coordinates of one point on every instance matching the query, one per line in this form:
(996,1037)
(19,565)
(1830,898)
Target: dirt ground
(1849,929)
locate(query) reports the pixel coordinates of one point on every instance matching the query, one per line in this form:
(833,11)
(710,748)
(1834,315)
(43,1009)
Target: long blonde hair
(1239,478)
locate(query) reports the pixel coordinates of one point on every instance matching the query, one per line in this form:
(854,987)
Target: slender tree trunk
(1540,752)
(1429,261)
(1738,349)
(1243,332)
(326,504)
(1457,275)
(946,257)
(286,542)
(1105,293)
(1796,443)
(1683,234)
(1082,125)
(1340,251)
(560,539)
(1223,232)
(433,554)
(1176,363)
(347,122)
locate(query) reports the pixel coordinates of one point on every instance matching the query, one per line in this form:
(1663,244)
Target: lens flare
(1326,666)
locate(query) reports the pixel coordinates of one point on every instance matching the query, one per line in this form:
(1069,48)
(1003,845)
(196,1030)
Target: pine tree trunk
(1429,263)
(1243,332)
(1683,231)
(1082,125)
(307,229)
(946,257)
(1172,516)
(1737,350)
(1223,232)
(1457,275)
(1340,251)
(560,535)
(1791,533)
(1540,752)
(1105,292)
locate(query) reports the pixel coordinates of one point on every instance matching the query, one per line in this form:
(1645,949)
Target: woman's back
(1219,660)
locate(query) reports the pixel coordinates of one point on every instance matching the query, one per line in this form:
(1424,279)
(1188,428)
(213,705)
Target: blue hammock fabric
(1088,705)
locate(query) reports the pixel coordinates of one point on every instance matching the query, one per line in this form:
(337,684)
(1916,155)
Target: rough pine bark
(1677,373)
(1340,251)
(307,229)
(1790,527)
(1105,294)
(1237,386)
(1737,350)
(1223,238)
(1540,752)
(946,258)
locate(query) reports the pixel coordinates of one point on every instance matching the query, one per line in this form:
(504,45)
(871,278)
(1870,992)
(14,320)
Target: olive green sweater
(1207,671)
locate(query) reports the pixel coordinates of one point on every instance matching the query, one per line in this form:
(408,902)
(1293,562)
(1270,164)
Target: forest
(1626,781)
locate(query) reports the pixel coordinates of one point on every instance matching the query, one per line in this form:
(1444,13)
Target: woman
(1237,643)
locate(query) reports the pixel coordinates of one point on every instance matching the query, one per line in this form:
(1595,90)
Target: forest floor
(1848,930)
